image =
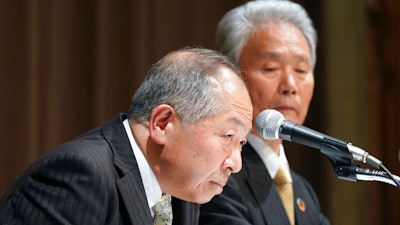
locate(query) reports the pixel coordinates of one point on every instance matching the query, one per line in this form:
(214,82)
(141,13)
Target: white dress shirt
(271,160)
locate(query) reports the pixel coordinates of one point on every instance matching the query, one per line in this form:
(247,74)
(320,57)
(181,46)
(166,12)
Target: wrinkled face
(276,62)
(198,158)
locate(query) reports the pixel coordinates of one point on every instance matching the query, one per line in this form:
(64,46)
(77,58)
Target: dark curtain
(67,66)
(383,65)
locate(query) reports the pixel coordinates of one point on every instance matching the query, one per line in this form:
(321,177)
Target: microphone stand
(355,173)
(341,160)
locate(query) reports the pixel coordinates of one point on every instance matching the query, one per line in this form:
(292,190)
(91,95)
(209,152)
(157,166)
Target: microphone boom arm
(341,161)
(355,173)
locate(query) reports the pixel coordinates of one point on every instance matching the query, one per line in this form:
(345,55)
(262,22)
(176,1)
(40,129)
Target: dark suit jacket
(250,197)
(93,179)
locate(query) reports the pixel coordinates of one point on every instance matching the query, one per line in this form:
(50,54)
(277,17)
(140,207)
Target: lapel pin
(301,204)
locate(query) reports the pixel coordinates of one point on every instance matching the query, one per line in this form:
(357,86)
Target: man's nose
(288,85)
(234,161)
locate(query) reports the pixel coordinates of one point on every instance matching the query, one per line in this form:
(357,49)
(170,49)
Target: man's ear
(160,120)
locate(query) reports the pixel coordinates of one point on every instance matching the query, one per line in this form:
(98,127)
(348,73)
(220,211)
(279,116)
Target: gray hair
(186,80)
(237,25)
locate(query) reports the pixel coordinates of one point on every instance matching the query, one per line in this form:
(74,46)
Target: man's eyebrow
(269,54)
(238,121)
(241,123)
(276,55)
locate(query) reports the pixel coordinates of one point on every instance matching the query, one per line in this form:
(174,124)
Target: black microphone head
(268,123)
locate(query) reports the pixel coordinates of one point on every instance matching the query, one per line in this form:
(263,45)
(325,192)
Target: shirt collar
(270,159)
(151,186)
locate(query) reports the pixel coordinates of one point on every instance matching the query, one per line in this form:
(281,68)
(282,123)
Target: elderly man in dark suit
(274,44)
(182,138)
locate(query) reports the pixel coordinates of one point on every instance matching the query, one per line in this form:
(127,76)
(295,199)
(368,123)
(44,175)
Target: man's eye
(229,136)
(300,71)
(269,69)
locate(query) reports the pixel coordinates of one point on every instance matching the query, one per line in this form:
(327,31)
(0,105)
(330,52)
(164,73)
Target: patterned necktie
(283,183)
(163,211)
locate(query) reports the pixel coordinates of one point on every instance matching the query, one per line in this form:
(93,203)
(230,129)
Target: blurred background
(67,66)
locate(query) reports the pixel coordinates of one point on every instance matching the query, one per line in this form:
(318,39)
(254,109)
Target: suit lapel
(130,183)
(135,199)
(306,206)
(263,190)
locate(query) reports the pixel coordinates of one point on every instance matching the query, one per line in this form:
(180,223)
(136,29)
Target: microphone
(272,125)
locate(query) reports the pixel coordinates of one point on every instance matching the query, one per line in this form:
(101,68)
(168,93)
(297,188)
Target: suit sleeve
(225,208)
(60,189)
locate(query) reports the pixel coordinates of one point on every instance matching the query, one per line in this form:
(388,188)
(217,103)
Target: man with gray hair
(182,137)
(274,44)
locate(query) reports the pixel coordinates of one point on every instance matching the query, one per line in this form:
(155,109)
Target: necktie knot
(163,211)
(282,176)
